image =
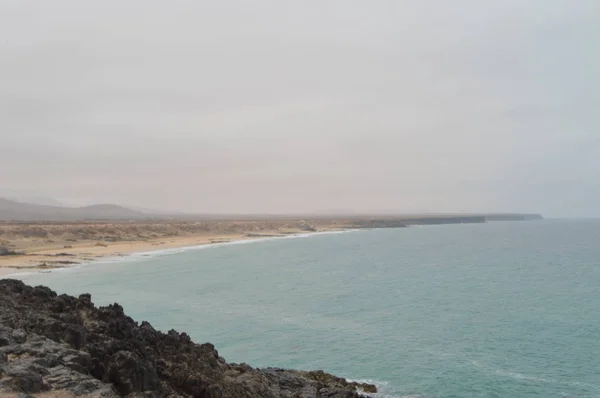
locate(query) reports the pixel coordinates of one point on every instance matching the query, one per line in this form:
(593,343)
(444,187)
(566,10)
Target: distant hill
(37,200)
(11,210)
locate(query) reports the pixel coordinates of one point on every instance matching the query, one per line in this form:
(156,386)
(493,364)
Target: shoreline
(84,255)
(44,247)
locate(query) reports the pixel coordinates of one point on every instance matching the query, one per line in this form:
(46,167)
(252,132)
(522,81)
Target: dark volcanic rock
(50,342)
(129,373)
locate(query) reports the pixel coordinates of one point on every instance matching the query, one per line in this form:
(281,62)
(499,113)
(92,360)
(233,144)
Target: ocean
(506,309)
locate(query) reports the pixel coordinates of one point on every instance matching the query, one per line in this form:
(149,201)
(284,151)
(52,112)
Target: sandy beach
(44,259)
(49,246)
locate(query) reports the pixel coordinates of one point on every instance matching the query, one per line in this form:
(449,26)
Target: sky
(276,106)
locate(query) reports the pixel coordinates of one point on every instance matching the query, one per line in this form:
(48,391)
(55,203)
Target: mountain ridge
(11,210)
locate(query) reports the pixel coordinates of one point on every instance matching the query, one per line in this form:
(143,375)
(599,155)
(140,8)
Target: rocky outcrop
(51,342)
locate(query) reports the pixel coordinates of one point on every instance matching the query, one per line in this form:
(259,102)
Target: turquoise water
(482,310)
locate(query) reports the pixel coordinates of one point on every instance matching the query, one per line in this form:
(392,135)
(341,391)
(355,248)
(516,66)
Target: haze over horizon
(281,107)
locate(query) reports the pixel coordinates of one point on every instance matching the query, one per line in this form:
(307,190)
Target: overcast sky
(298,106)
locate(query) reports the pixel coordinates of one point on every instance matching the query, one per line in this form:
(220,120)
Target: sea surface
(506,309)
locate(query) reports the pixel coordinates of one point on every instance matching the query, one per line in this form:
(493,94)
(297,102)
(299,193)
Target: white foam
(163,252)
(520,376)
(382,389)
(19,274)
(265,239)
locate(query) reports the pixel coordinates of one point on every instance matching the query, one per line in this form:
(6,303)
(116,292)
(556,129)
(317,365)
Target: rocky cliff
(445,220)
(513,217)
(62,345)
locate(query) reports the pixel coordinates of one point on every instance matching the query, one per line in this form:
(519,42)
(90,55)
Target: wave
(521,376)
(536,379)
(382,386)
(384,389)
(166,252)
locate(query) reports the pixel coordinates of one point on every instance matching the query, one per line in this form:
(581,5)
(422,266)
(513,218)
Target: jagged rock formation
(51,342)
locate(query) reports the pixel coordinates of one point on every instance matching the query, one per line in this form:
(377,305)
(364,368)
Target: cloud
(281,107)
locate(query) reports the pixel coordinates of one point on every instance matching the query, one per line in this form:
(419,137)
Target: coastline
(47,246)
(89,254)
(64,346)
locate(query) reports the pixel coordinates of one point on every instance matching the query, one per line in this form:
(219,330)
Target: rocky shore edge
(61,346)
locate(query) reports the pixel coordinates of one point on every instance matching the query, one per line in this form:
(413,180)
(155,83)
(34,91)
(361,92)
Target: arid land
(46,246)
